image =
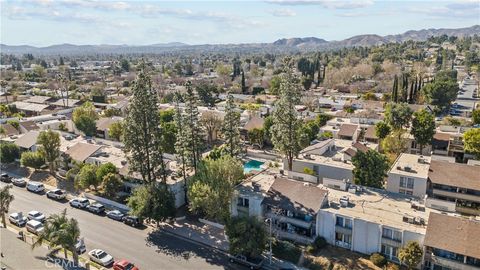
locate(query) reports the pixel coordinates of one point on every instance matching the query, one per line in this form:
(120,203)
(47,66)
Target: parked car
(132,221)
(96,208)
(124,265)
(19,182)
(116,215)
(56,194)
(35,215)
(252,263)
(35,187)
(101,257)
(80,246)
(4,177)
(79,202)
(17,219)
(34,226)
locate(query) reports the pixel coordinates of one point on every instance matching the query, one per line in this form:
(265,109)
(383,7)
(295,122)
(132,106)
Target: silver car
(101,257)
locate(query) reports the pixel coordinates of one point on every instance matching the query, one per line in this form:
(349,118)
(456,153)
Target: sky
(48,22)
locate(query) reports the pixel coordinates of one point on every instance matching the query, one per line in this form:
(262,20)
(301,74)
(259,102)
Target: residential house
(28,141)
(103,126)
(409,175)
(31,109)
(9,130)
(452,243)
(27,126)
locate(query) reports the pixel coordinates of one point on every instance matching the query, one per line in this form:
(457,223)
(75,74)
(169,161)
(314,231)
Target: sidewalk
(19,255)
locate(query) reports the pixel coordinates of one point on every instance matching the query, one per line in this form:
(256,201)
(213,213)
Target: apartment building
(454,187)
(291,206)
(409,175)
(330,158)
(369,220)
(452,243)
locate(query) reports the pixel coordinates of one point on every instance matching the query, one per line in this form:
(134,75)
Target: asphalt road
(145,248)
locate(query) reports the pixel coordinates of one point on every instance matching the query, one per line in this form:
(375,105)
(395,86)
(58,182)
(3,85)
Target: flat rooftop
(258,184)
(378,206)
(412,165)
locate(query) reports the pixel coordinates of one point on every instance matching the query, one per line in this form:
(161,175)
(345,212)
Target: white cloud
(458,10)
(332,4)
(283,12)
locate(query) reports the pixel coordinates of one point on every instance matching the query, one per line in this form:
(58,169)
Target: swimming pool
(252,165)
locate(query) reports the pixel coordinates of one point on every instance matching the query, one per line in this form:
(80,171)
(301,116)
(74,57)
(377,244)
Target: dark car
(4,177)
(132,221)
(252,263)
(96,208)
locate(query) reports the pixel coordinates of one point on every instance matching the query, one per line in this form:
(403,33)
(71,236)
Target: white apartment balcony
(294,221)
(452,264)
(343,244)
(456,195)
(293,236)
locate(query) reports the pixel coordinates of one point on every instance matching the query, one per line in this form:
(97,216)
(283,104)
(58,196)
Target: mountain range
(284,44)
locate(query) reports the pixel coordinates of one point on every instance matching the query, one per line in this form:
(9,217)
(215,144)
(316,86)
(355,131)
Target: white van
(34,226)
(35,187)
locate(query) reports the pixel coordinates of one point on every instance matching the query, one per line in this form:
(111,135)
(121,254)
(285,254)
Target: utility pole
(270,240)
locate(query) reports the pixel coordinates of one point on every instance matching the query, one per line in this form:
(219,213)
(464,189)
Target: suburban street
(146,248)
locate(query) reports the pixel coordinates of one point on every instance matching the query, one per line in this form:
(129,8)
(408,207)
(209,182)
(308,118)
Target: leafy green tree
(211,189)
(246,236)
(50,147)
(125,65)
(423,128)
(169,132)
(60,231)
(207,93)
(411,254)
(87,176)
(142,133)
(286,125)
(395,143)
(166,116)
(370,168)
(154,201)
(471,140)
(398,115)
(111,184)
(476,117)
(5,199)
(110,112)
(33,160)
(256,136)
(231,128)
(105,169)
(115,131)
(441,92)
(267,126)
(14,123)
(9,152)
(322,119)
(382,130)
(274,85)
(84,118)
(181,144)
(310,129)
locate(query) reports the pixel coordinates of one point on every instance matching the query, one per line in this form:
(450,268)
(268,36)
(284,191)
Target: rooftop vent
(407,168)
(344,201)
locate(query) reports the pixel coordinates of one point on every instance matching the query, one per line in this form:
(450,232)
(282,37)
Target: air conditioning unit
(407,168)
(344,201)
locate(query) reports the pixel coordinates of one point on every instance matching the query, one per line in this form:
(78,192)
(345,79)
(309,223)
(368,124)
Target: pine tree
(181,145)
(230,128)
(244,87)
(194,132)
(285,129)
(142,134)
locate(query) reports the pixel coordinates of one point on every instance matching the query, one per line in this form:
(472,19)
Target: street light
(269,220)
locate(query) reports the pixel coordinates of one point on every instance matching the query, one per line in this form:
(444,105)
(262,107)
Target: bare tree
(212,123)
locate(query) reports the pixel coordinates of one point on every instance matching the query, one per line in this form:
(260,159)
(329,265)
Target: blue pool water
(252,165)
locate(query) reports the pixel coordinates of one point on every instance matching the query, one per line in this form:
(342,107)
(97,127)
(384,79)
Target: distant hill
(280,45)
(299,41)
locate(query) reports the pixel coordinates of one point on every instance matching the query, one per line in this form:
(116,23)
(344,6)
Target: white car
(115,214)
(35,215)
(35,187)
(79,202)
(56,194)
(101,257)
(17,219)
(34,226)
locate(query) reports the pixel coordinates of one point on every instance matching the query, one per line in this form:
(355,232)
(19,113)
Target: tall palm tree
(60,231)
(5,199)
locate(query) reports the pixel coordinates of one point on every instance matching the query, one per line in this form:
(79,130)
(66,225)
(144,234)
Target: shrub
(320,243)
(311,249)
(312,264)
(392,266)
(378,259)
(286,251)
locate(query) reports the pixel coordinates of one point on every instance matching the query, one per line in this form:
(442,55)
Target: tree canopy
(33,160)
(423,128)
(471,139)
(370,168)
(411,254)
(50,147)
(398,115)
(9,152)
(84,118)
(153,200)
(246,236)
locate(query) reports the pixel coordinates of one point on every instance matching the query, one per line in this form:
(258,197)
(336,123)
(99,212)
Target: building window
(243,202)
(343,240)
(410,183)
(392,234)
(403,183)
(343,222)
(390,252)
